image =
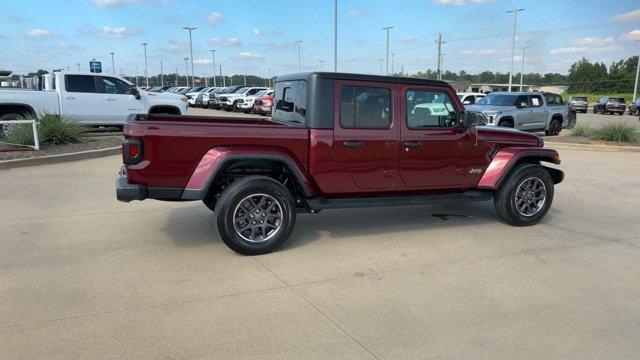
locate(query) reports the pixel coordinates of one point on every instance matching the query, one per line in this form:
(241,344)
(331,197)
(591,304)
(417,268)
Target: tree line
(583,77)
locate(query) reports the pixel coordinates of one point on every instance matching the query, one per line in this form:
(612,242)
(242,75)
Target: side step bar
(319,203)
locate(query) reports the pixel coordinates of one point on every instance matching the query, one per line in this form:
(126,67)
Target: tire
(234,107)
(239,200)
(571,122)
(507,196)
(555,126)
(621,113)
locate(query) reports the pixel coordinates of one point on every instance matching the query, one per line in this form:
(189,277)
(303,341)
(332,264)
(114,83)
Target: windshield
(240,90)
(498,100)
(261,93)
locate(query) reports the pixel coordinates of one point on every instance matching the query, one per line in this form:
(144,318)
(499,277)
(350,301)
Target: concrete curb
(54,159)
(591,147)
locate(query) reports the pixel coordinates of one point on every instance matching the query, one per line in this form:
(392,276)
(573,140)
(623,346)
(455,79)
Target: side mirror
(135,92)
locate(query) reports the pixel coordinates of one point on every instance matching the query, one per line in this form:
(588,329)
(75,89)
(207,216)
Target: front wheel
(525,196)
(255,215)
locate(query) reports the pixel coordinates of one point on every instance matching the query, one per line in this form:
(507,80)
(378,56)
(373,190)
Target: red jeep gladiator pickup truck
(335,141)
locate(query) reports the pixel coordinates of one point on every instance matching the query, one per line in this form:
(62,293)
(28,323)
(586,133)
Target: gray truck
(527,111)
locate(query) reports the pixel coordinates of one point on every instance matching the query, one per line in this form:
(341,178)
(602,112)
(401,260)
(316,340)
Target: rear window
(290,102)
(80,83)
(579,98)
(620,100)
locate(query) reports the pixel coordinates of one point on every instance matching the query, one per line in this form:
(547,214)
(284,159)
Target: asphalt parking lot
(83,276)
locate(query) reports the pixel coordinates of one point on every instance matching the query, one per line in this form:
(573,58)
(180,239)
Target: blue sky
(252,36)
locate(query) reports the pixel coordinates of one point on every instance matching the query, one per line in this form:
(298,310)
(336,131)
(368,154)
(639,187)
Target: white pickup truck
(90,98)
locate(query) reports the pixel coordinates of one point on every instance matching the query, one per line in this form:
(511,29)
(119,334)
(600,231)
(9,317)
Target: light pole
(224,81)
(161,74)
(440,42)
(321,65)
(78,66)
(381,64)
(190,29)
(524,51)
(146,69)
(269,77)
(513,42)
(299,42)
(392,63)
(635,87)
(387,30)
(113,64)
(213,57)
(335,36)
(186,70)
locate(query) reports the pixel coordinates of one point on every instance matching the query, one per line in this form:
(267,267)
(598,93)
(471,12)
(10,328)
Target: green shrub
(52,129)
(618,132)
(582,130)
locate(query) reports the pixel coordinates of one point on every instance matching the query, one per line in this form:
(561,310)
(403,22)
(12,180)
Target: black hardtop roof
(360,77)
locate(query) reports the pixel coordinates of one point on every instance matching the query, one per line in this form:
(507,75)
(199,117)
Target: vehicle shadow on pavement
(375,221)
(188,229)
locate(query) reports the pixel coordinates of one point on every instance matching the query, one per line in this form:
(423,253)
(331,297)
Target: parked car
(579,104)
(470,98)
(91,98)
(262,105)
(178,89)
(229,102)
(215,104)
(610,105)
(319,152)
(202,100)
(527,111)
(159,89)
(245,104)
(634,107)
(192,94)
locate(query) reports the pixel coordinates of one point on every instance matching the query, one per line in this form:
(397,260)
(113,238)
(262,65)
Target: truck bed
(174,145)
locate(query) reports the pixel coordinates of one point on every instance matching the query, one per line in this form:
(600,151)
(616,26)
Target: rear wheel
(573,118)
(525,197)
(505,123)
(255,215)
(554,128)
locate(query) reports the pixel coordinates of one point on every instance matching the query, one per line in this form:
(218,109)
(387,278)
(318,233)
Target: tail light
(131,151)
(267,102)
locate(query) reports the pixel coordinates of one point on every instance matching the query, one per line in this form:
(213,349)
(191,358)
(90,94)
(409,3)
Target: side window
(522,101)
(471,99)
(291,101)
(430,109)
(366,108)
(109,85)
(536,100)
(80,83)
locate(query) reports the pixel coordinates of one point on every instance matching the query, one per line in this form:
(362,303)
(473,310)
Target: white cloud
(354,13)
(232,42)
(175,46)
(459,2)
(585,50)
(631,16)
(407,39)
(479,52)
(214,18)
(256,32)
(118,32)
(594,41)
(214,41)
(247,56)
(38,33)
(632,35)
(280,46)
(203,62)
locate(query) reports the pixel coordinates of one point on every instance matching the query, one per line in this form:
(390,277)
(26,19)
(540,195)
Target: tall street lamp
(146,69)
(335,36)
(635,87)
(299,42)
(387,30)
(513,42)
(321,65)
(186,70)
(113,64)
(213,58)
(524,51)
(190,29)
(381,64)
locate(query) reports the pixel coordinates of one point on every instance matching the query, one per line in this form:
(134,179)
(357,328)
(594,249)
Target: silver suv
(527,111)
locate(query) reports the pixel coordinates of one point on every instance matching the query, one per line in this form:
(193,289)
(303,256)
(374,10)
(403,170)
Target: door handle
(408,145)
(353,144)
(110,99)
(69,97)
